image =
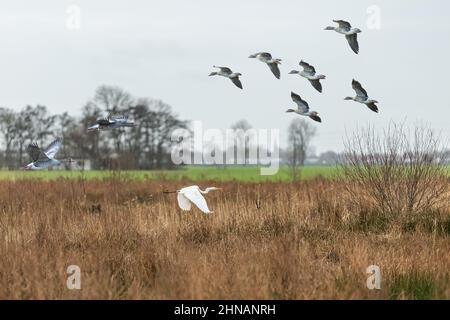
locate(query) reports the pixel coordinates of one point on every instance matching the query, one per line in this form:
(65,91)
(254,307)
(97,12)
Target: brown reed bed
(264,241)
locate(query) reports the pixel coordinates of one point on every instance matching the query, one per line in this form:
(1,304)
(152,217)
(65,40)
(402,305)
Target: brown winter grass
(264,241)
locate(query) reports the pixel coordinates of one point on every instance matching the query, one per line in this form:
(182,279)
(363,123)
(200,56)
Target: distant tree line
(145,146)
(148,145)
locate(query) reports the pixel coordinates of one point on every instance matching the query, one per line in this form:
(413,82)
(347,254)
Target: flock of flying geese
(45,158)
(193,194)
(309,73)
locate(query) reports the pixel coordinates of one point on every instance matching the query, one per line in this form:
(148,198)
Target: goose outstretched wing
(265,56)
(236,81)
(302,104)
(307,68)
(316,84)
(372,106)
(224,70)
(34,151)
(343,24)
(103,121)
(360,91)
(274,68)
(352,40)
(53,148)
(118,118)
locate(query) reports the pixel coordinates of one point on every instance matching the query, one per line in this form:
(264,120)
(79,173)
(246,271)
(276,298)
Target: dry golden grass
(264,241)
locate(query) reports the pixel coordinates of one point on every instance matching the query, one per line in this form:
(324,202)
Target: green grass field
(194,173)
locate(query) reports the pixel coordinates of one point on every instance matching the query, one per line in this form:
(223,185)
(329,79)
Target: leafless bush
(300,134)
(398,171)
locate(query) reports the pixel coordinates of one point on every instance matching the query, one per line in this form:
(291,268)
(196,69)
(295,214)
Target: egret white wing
(197,198)
(183,202)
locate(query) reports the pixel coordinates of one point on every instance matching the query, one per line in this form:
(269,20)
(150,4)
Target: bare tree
(328,158)
(112,98)
(41,128)
(23,128)
(145,146)
(163,123)
(31,124)
(398,171)
(8,131)
(65,126)
(300,135)
(243,137)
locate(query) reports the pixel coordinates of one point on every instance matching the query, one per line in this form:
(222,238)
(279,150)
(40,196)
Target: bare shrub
(397,171)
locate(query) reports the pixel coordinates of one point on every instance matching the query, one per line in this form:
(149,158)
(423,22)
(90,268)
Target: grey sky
(165,49)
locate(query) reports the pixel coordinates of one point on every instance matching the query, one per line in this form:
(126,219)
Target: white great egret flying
(193,194)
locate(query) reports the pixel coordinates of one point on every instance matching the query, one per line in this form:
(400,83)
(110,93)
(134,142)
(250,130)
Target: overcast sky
(165,50)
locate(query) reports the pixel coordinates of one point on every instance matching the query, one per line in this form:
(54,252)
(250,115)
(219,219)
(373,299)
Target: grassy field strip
(193,173)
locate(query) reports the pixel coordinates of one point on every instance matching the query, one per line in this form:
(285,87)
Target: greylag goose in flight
(267,59)
(193,194)
(362,97)
(111,122)
(351,34)
(303,108)
(310,73)
(42,159)
(227,73)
